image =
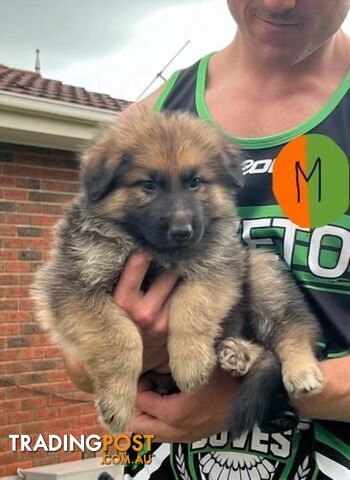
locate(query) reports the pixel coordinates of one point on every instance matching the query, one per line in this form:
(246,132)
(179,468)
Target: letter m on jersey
(310,180)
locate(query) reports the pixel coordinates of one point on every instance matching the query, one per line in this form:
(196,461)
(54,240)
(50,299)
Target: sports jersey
(319,259)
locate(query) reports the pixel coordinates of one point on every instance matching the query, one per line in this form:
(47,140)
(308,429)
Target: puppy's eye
(149,186)
(195,183)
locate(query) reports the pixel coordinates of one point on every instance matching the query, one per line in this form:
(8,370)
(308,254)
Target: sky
(112,46)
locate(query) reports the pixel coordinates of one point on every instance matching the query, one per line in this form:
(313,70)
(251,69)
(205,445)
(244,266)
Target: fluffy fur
(166,184)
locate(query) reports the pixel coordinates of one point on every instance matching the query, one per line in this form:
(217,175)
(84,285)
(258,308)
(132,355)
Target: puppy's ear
(99,173)
(231,164)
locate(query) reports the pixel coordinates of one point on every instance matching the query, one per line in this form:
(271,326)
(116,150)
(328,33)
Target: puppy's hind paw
(236,356)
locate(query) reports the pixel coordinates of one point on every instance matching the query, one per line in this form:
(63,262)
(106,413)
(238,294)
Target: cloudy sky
(111,46)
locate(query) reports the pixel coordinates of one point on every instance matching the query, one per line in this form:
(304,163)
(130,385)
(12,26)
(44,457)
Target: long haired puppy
(166,184)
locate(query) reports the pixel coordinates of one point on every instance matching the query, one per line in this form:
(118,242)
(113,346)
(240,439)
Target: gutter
(41,122)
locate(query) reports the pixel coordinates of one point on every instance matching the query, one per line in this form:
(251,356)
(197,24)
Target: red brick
(19,341)
(17,292)
(55,401)
(20,417)
(47,460)
(52,352)
(31,378)
(25,242)
(19,367)
(95,430)
(12,329)
(44,364)
(60,186)
(40,173)
(28,183)
(26,279)
(8,279)
(30,328)
(8,457)
(41,340)
(14,194)
(29,208)
(8,254)
(34,403)
(71,457)
(57,376)
(17,266)
(25,304)
(83,420)
(66,387)
(7,231)
(7,181)
(18,392)
(8,304)
(29,231)
(10,406)
(34,427)
(90,408)
(59,424)
(53,209)
(18,316)
(71,410)
(53,160)
(32,352)
(7,430)
(46,414)
(8,355)
(18,219)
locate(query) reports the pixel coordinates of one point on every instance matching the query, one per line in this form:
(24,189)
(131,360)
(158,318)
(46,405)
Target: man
(285,74)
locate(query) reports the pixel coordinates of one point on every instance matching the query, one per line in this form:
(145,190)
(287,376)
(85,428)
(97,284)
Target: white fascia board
(48,123)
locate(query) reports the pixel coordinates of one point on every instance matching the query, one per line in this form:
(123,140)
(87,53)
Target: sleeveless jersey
(319,258)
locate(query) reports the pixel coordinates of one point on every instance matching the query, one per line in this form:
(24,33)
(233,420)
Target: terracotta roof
(33,84)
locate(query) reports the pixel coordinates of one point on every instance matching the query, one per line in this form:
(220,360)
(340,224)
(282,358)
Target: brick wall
(36,395)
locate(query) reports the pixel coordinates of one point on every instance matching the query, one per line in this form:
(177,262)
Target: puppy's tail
(260,400)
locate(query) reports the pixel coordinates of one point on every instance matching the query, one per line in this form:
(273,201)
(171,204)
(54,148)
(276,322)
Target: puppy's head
(165,178)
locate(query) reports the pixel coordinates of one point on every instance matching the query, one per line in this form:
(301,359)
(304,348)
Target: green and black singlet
(319,259)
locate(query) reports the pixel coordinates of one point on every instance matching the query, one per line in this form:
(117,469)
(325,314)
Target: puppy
(166,184)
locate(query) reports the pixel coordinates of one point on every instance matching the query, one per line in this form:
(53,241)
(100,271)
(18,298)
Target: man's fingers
(130,281)
(146,424)
(165,408)
(160,290)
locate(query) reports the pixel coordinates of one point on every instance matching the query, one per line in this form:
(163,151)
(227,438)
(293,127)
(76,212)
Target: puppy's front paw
(234,357)
(303,380)
(115,409)
(192,366)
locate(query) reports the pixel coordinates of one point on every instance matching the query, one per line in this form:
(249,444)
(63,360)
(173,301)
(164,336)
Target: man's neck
(269,99)
(331,61)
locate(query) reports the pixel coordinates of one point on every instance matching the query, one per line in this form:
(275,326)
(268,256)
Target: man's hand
(333,403)
(185,417)
(150,310)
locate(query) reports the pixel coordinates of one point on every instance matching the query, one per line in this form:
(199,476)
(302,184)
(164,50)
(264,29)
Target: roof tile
(33,84)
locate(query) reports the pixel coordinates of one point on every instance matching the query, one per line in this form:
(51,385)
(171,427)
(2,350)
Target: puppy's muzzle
(180,233)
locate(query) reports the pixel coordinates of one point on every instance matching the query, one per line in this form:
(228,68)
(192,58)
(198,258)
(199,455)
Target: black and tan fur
(166,184)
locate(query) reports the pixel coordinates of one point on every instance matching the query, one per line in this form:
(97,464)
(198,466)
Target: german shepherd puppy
(166,184)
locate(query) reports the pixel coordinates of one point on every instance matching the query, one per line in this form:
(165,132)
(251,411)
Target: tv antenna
(160,74)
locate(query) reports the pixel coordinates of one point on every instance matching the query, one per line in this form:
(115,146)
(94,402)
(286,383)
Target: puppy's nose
(180,233)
